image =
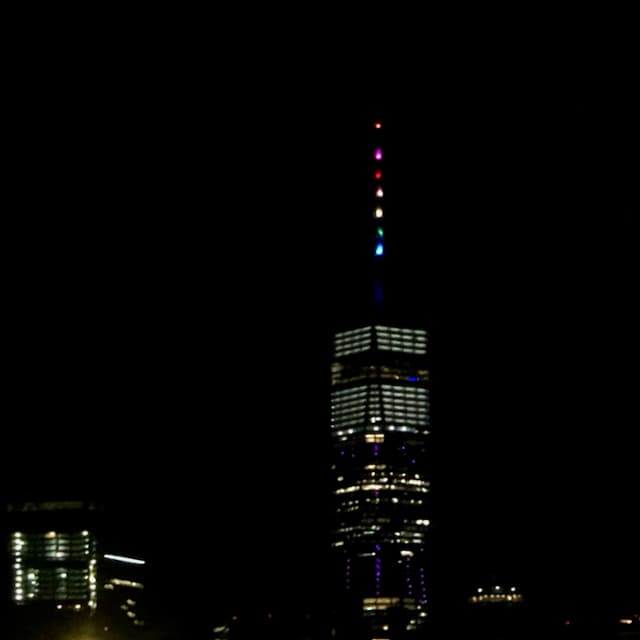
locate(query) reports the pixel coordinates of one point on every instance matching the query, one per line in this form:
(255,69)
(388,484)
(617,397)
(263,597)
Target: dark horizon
(176,267)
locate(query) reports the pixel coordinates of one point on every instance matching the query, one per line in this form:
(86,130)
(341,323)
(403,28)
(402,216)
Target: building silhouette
(380,408)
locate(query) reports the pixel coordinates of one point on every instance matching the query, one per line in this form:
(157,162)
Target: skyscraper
(53,561)
(53,553)
(379,428)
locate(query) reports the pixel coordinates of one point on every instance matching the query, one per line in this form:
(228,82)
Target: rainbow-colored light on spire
(378,213)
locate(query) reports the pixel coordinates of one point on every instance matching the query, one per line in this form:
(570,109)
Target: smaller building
(496,594)
(498,610)
(122,608)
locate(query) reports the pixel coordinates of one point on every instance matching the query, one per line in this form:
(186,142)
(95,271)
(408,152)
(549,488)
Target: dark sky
(183,235)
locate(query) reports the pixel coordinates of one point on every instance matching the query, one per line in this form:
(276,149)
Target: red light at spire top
(378,125)
(378,174)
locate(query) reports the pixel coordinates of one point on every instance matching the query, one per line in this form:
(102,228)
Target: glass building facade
(53,556)
(379,429)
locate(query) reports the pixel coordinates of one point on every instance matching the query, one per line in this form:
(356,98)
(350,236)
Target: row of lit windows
(364,390)
(383,370)
(351,506)
(404,553)
(49,544)
(342,335)
(398,347)
(62,575)
(78,594)
(52,551)
(412,526)
(403,391)
(382,330)
(348,352)
(339,376)
(368,500)
(51,535)
(373,470)
(405,347)
(378,538)
(341,340)
(411,420)
(408,536)
(399,478)
(395,403)
(496,597)
(402,429)
(352,392)
(399,338)
(377,401)
(401,485)
(375,411)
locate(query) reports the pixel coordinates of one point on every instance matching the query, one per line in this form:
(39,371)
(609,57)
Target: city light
(108,556)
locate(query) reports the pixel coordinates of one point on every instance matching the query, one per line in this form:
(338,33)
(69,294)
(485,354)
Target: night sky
(184,236)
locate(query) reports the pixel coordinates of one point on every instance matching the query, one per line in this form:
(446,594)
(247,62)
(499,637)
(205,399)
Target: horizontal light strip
(108,556)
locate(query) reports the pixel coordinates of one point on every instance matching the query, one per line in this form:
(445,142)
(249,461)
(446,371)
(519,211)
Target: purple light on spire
(378,153)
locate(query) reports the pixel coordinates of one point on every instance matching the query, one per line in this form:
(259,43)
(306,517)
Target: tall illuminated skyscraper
(379,428)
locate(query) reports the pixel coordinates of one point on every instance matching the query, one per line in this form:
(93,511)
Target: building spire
(378,216)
